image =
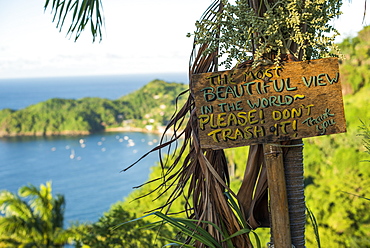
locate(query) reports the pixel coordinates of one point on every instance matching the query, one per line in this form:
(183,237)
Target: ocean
(85,169)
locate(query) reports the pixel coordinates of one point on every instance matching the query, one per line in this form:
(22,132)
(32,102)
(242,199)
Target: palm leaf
(13,205)
(38,220)
(189,227)
(314,225)
(82,14)
(179,244)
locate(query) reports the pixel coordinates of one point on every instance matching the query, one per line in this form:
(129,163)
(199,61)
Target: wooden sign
(268,104)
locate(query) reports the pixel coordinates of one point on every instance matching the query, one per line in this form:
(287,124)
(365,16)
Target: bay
(85,169)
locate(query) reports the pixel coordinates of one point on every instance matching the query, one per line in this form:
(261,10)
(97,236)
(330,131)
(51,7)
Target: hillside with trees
(148,107)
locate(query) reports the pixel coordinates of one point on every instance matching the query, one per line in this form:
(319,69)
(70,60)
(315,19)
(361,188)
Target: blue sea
(85,169)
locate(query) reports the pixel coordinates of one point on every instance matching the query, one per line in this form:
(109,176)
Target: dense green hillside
(154,104)
(146,106)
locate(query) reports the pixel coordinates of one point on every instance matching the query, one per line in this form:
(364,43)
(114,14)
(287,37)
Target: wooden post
(280,225)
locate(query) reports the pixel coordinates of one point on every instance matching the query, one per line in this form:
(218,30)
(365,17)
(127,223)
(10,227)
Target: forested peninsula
(147,109)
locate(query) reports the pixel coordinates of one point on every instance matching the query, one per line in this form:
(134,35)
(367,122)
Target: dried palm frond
(199,175)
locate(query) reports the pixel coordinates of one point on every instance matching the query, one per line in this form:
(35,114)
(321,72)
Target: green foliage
(155,101)
(148,105)
(343,218)
(197,234)
(5,112)
(356,65)
(140,202)
(237,161)
(189,228)
(107,232)
(239,31)
(334,166)
(365,133)
(53,116)
(33,218)
(182,225)
(87,14)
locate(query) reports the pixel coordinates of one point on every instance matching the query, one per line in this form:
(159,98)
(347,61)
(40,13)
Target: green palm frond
(32,217)
(11,204)
(40,198)
(83,14)
(58,210)
(315,226)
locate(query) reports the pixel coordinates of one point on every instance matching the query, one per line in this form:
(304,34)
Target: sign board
(266,104)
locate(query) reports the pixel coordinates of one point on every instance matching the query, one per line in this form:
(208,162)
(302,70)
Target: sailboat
(72,155)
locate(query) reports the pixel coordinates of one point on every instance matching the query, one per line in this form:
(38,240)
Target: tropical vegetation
(107,231)
(33,218)
(337,177)
(81,15)
(140,109)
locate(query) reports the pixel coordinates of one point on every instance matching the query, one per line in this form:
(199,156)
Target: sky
(141,36)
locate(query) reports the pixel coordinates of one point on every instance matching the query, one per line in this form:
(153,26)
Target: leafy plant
(104,232)
(315,226)
(197,234)
(85,13)
(33,218)
(252,29)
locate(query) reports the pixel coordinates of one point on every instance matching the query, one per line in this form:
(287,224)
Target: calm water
(85,169)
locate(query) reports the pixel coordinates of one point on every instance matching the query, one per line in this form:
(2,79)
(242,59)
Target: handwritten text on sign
(268,104)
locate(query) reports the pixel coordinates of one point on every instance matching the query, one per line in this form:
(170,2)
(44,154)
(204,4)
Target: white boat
(72,155)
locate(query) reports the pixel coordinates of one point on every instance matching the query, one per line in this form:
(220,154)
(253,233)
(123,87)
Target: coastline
(47,133)
(129,129)
(159,130)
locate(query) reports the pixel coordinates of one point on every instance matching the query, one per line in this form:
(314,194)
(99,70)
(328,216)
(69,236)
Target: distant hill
(147,108)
